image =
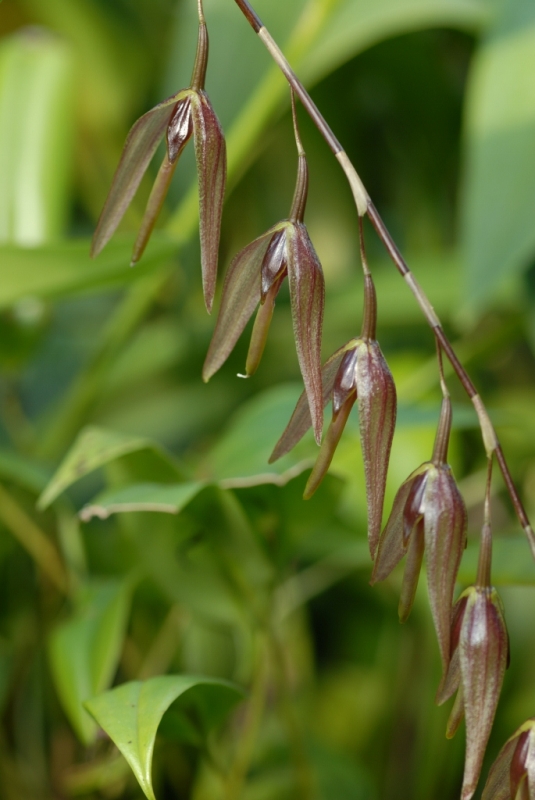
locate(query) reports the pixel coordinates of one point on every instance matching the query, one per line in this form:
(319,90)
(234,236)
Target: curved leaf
(211,157)
(498,785)
(139,148)
(93,448)
(131,714)
(163,497)
(307,297)
(84,650)
(483,650)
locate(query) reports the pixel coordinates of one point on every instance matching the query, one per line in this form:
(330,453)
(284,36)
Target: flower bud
(512,776)
(479,638)
(185,113)
(428,499)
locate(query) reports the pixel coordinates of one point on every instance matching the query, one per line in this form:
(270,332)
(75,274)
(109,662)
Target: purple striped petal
(140,146)
(377,401)
(307,296)
(483,650)
(241,295)
(211,157)
(392,543)
(445,540)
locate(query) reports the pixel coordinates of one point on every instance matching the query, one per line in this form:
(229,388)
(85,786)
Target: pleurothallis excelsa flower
(254,279)
(357,372)
(428,514)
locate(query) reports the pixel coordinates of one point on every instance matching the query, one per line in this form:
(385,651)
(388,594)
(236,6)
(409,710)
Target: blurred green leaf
(93,448)
(23,471)
(240,458)
(355,25)
(65,268)
(166,498)
(498,204)
(512,564)
(131,714)
(36,127)
(84,650)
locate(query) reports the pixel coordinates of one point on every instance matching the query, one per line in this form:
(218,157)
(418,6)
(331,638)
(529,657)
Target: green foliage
(145,542)
(84,650)
(131,714)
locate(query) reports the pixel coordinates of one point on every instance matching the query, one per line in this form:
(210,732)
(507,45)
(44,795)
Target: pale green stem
(72,410)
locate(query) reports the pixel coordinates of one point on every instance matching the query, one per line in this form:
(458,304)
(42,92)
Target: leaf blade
(131,714)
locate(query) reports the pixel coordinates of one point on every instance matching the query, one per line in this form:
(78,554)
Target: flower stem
(485,549)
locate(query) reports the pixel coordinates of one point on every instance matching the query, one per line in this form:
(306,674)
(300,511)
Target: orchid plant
(428,513)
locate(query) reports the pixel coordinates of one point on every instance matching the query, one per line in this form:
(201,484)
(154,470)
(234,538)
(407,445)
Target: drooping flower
(255,277)
(357,372)
(187,113)
(428,514)
(512,776)
(479,658)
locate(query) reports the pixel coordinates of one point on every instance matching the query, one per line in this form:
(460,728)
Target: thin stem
(198,77)
(366,206)
(443,384)
(369,320)
(297,212)
(485,550)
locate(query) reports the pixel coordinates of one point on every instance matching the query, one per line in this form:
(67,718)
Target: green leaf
(240,458)
(93,448)
(64,268)
(24,471)
(498,204)
(36,125)
(166,498)
(84,650)
(511,562)
(356,25)
(131,714)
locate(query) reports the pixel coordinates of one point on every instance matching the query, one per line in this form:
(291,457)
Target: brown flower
(428,513)
(255,277)
(512,776)
(182,115)
(356,372)
(479,658)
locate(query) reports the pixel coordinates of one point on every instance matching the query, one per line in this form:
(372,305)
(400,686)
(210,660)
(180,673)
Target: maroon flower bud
(480,652)
(512,776)
(428,511)
(255,276)
(359,373)
(178,118)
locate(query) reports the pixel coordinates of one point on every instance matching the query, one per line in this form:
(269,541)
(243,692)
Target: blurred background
(434,101)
